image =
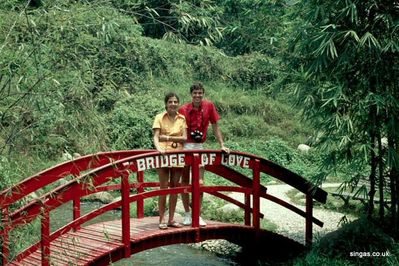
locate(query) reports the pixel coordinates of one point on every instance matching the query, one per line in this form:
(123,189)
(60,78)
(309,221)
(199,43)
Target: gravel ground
(291,224)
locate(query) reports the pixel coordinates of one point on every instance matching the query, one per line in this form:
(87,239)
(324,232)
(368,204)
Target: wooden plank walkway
(83,246)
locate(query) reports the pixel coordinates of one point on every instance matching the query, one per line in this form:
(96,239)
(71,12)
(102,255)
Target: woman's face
(172,104)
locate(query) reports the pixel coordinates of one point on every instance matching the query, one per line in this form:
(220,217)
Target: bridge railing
(102,172)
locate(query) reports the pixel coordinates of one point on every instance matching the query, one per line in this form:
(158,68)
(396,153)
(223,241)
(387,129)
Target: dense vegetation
(82,76)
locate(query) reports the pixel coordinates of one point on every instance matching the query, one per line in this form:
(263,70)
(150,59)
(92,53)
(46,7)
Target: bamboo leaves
(350,52)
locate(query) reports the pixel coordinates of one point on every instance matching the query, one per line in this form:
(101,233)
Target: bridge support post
(45,237)
(247,214)
(196,204)
(4,236)
(126,213)
(309,216)
(256,194)
(76,209)
(140,189)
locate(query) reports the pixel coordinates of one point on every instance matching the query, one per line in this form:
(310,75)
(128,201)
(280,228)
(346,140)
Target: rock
(228,208)
(219,246)
(103,196)
(303,148)
(66,156)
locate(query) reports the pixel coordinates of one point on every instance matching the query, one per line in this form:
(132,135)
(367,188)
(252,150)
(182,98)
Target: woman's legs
(163,174)
(174,182)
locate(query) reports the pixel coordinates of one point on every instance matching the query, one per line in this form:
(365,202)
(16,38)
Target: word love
(237,160)
(226,159)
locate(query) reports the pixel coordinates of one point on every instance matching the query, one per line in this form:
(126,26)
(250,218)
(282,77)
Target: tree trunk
(381,178)
(373,161)
(393,175)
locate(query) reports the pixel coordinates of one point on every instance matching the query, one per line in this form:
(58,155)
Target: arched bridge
(82,242)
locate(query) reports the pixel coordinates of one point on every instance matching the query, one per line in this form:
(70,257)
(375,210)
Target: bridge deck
(85,245)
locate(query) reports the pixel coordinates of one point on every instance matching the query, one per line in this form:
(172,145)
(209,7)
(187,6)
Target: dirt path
(291,224)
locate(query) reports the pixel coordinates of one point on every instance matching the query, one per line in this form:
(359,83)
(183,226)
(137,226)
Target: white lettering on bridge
(235,160)
(160,161)
(170,160)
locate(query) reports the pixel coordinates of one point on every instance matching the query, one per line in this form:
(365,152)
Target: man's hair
(170,95)
(197,86)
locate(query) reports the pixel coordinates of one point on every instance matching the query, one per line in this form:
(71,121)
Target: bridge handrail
(59,171)
(92,161)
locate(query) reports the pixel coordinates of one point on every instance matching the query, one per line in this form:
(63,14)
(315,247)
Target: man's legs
(185,181)
(186,197)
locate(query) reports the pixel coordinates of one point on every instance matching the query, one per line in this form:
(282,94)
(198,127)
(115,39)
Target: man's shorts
(193,146)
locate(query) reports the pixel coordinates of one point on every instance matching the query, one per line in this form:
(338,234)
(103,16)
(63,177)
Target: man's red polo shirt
(199,119)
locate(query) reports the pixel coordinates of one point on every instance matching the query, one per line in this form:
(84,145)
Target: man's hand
(225,149)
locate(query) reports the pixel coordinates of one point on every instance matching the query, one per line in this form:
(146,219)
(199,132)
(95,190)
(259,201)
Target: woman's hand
(160,150)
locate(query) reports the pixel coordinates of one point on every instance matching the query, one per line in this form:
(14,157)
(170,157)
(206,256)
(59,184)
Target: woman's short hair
(170,95)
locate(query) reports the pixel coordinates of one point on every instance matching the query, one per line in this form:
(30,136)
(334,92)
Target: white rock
(303,148)
(228,208)
(66,156)
(103,196)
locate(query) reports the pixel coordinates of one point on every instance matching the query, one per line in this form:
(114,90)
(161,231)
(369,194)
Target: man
(199,113)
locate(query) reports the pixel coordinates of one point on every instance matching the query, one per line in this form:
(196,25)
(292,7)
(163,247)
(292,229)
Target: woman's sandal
(163,226)
(175,225)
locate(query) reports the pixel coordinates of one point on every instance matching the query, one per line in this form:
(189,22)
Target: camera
(196,135)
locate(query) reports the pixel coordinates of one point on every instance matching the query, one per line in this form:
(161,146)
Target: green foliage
(151,207)
(130,124)
(194,22)
(345,60)
(358,236)
(253,26)
(345,66)
(255,70)
(278,151)
(8,173)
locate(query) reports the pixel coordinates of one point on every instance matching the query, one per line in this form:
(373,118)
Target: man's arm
(219,137)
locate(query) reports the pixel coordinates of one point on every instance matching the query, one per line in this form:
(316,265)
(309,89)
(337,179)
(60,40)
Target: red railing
(107,166)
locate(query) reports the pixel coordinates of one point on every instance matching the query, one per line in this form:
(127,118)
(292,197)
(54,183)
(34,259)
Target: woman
(169,135)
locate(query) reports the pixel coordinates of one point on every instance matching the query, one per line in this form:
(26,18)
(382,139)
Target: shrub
(360,236)
(129,129)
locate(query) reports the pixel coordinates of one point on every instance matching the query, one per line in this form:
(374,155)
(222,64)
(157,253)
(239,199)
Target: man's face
(197,96)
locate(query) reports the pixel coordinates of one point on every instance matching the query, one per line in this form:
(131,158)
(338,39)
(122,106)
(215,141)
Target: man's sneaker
(202,223)
(187,218)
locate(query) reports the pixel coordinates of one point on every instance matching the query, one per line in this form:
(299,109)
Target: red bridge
(101,243)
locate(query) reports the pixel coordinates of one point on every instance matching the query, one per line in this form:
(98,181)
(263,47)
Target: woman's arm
(179,139)
(156,140)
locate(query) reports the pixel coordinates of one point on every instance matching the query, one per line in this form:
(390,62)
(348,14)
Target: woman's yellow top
(170,128)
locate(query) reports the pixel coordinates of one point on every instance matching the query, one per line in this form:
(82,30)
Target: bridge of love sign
(179,159)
